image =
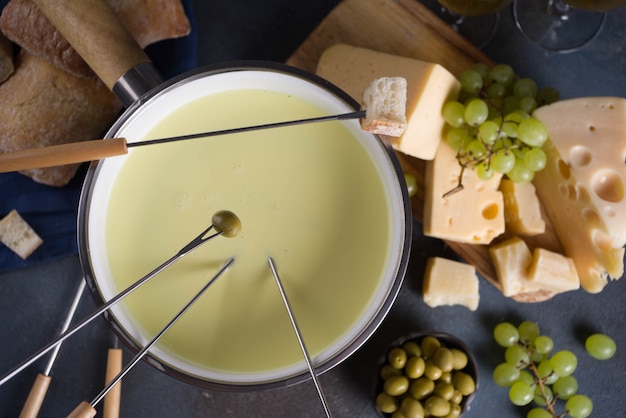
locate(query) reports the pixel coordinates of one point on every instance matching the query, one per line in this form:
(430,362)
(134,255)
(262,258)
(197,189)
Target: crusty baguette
(42,105)
(148,21)
(385,106)
(18,235)
(6,57)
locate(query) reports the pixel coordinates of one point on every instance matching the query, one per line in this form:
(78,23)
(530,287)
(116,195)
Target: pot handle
(100,38)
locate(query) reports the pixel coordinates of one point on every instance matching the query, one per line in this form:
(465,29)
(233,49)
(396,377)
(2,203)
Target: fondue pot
(327,201)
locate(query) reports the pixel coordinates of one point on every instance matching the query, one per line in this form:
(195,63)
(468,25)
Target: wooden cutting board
(407,28)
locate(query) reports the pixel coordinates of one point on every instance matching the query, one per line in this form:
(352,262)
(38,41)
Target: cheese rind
(582,186)
(511,260)
(473,215)
(553,271)
(449,282)
(522,212)
(429,86)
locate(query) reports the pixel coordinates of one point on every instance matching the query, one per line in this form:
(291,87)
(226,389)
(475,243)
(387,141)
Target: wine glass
(475,20)
(562,25)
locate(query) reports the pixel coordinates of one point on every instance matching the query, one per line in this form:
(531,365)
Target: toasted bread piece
(148,21)
(18,235)
(385,106)
(42,105)
(6,58)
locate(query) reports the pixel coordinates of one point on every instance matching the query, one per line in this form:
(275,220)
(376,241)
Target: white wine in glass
(562,25)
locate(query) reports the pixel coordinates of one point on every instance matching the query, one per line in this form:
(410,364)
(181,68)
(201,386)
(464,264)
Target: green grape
(488,132)
(528,331)
(471,81)
(527,378)
(543,344)
(503,161)
(517,116)
(543,398)
(509,129)
(535,159)
(545,372)
(516,355)
(547,95)
(528,104)
(484,171)
(482,69)
(579,406)
(520,393)
(476,149)
(563,362)
(525,87)
(532,132)
(502,73)
(505,374)
(496,91)
(476,112)
(539,413)
(411,184)
(565,387)
(454,114)
(600,346)
(505,334)
(520,172)
(511,104)
(456,137)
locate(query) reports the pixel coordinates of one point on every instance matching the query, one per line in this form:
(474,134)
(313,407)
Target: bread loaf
(148,21)
(6,58)
(42,105)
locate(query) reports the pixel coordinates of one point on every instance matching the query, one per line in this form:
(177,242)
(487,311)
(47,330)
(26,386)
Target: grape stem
(542,388)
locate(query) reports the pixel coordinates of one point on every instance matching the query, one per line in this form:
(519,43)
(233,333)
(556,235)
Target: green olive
(397,357)
(414,367)
(437,406)
(464,383)
(457,397)
(398,414)
(429,345)
(227,223)
(444,359)
(444,390)
(421,388)
(455,411)
(396,385)
(412,348)
(446,377)
(432,371)
(412,408)
(460,358)
(386,403)
(388,370)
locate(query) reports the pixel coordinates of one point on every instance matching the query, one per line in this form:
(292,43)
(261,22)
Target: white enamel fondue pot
(328,201)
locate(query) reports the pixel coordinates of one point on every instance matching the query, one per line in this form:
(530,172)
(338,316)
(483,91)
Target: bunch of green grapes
(534,373)
(490,125)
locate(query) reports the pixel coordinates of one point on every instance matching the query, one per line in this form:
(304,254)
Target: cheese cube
(511,260)
(522,213)
(429,86)
(553,271)
(449,282)
(473,215)
(583,185)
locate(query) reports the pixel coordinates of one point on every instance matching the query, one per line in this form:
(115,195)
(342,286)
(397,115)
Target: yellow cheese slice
(511,260)
(582,186)
(429,86)
(473,215)
(522,213)
(552,271)
(449,282)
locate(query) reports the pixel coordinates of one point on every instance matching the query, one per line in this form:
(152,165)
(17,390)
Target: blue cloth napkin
(53,211)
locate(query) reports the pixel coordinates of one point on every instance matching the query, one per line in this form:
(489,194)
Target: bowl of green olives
(426,374)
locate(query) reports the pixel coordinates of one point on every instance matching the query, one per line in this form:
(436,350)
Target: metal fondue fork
(305,352)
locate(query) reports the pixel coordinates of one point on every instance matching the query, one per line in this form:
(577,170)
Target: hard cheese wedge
(552,271)
(429,86)
(511,259)
(473,215)
(582,186)
(449,282)
(522,213)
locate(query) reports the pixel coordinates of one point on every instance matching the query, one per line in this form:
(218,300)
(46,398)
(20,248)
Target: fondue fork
(305,352)
(87,410)
(225,223)
(82,151)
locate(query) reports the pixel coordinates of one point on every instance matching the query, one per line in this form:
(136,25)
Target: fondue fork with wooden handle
(87,410)
(83,151)
(225,223)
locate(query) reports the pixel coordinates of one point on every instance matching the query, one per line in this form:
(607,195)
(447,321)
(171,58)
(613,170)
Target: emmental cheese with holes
(583,185)
(450,282)
(429,86)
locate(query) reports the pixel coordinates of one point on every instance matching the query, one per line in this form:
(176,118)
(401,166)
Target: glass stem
(559,9)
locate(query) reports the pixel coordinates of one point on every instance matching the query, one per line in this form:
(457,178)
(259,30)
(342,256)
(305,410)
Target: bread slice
(18,235)
(148,21)
(6,58)
(385,106)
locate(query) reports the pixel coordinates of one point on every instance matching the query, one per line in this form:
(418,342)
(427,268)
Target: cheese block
(552,271)
(582,186)
(18,235)
(429,86)
(522,212)
(449,282)
(511,260)
(473,215)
